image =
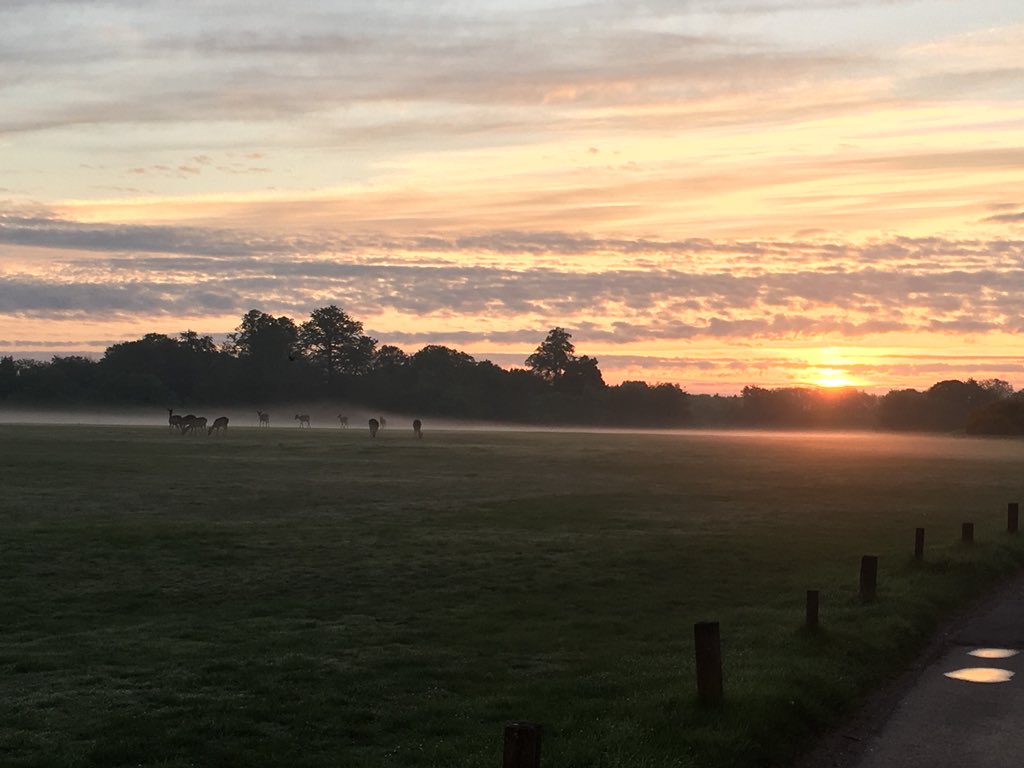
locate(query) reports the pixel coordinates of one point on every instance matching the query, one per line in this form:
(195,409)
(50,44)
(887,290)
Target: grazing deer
(303,419)
(199,423)
(264,418)
(417,427)
(343,421)
(221,422)
(374,426)
(187,423)
(173,420)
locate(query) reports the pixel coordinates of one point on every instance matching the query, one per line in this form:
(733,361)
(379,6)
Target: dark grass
(277,597)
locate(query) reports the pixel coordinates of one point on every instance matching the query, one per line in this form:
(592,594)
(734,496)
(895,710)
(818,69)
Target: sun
(832,378)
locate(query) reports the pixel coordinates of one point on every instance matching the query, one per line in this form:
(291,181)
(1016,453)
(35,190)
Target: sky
(713,193)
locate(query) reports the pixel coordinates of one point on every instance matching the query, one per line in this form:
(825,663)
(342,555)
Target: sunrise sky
(714,193)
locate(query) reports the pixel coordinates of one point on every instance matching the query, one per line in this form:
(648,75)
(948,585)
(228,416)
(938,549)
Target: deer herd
(192,424)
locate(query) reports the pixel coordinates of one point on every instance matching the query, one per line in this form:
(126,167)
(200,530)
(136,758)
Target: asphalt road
(934,718)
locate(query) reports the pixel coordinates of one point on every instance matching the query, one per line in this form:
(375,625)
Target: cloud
(643,290)
(156,66)
(48,232)
(1008,218)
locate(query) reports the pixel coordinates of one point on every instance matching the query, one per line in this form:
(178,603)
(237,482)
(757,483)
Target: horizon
(822,387)
(771,194)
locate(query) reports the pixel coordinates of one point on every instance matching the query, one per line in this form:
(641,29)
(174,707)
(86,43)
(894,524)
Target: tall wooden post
(522,745)
(1012,517)
(919,543)
(868,577)
(708,647)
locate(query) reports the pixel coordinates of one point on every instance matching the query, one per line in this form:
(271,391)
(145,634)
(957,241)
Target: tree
(581,375)
(554,355)
(443,379)
(8,376)
(264,338)
(951,400)
(638,403)
(389,358)
(555,362)
(154,358)
(335,343)
(996,389)
(904,409)
(999,417)
(196,343)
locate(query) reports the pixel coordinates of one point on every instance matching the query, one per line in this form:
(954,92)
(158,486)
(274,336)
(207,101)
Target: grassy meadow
(286,597)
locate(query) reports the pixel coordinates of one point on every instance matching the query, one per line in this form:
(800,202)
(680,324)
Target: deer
(187,423)
(383,422)
(303,419)
(417,427)
(221,422)
(374,426)
(343,421)
(199,423)
(264,418)
(173,420)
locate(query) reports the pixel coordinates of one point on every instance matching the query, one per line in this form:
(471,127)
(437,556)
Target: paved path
(938,721)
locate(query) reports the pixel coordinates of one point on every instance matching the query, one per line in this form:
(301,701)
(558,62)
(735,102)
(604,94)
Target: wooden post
(868,577)
(522,745)
(967,533)
(812,609)
(919,543)
(708,646)
(1012,517)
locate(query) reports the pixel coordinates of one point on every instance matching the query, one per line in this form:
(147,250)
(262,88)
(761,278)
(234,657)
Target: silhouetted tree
(443,379)
(202,345)
(905,409)
(154,363)
(581,375)
(389,358)
(264,339)
(1000,417)
(783,407)
(952,400)
(335,343)
(996,389)
(29,378)
(554,355)
(845,408)
(639,403)
(388,383)
(267,349)
(8,376)
(175,370)
(69,379)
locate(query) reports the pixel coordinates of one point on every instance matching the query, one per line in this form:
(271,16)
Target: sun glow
(833,378)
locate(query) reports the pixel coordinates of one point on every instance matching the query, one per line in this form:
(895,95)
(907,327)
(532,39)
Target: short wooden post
(1012,517)
(868,577)
(708,646)
(522,745)
(812,609)
(967,533)
(919,543)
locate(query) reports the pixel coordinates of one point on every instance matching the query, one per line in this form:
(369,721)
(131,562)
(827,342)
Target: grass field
(291,597)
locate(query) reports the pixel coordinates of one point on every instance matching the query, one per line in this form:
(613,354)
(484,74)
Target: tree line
(270,359)
(328,357)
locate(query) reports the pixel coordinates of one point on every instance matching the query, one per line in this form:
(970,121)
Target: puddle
(993,653)
(981,675)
